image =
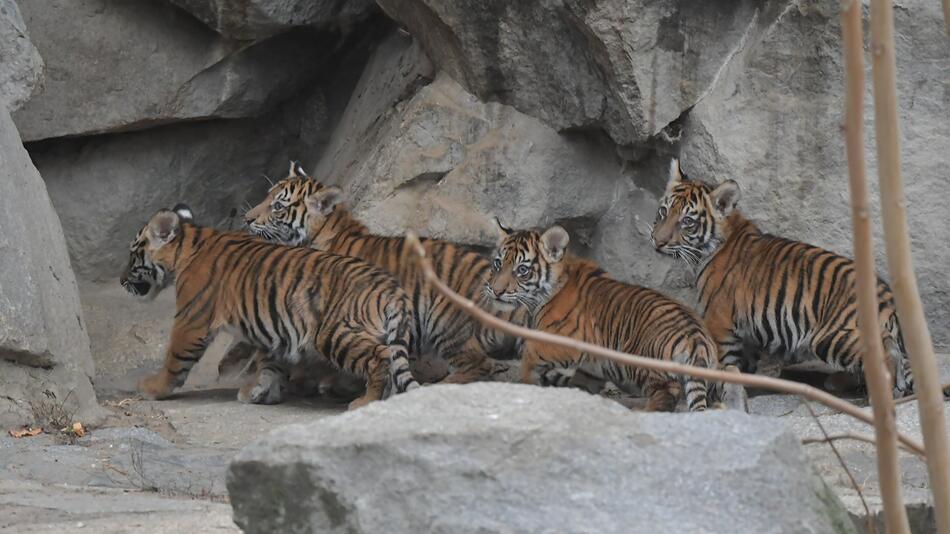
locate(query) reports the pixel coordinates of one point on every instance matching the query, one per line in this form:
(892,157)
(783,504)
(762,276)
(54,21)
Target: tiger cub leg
(378,363)
(186,347)
(269,384)
(376,372)
(471,364)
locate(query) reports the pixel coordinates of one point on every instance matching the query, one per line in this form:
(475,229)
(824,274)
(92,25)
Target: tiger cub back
(573,297)
(764,293)
(291,303)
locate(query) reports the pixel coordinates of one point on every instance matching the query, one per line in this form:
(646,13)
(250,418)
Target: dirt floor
(159,466)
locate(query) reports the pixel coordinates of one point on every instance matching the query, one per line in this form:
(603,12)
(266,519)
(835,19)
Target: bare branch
(876,374)
(849,435)
(857,488)
(911,398)
(916,333)
(663,366)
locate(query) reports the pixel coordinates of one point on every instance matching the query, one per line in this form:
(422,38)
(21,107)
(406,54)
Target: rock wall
(758,100)
(435,115)
(44,348)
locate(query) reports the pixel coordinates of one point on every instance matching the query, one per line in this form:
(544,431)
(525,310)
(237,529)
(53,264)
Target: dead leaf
(78,429)
(26,432)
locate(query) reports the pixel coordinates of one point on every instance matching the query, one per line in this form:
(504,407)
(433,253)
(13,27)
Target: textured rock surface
(105,187)
(488,457)
(772,124)
(44,348)
(256,19)
(767,93)
(629,67)
(154,64)
(445,162)
(21,66)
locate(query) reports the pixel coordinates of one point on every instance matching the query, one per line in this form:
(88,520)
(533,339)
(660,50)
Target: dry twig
(911,398)
(875,372)
(834,449)
(663,366)
(848,435)
(899,263)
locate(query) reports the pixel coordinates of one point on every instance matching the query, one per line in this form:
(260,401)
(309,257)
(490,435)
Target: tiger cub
(759,292)
(299,210)
(573,297)
(291,303)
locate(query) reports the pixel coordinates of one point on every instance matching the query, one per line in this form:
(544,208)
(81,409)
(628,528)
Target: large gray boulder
(772,123)
(627,67)
(257,19)
(21,67)
(44,349)
(114,66)
(443,162)
(493,457)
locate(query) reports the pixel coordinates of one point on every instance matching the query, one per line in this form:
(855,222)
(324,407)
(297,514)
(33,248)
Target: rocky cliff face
(434,116)
(44,348)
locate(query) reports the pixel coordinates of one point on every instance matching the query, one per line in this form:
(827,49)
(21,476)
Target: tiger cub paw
(268,389)
(360,402)
(734,396)
(156,387)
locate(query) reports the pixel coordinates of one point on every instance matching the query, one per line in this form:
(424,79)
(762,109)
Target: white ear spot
(185,213)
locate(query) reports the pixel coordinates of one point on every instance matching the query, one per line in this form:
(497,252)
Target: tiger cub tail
(698,394)
(398,329)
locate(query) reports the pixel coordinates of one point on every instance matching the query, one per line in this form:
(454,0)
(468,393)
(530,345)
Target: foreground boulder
(494,457)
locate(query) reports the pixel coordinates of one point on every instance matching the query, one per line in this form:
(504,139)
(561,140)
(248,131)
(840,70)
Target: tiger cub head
(690,217)
(293,207)
(526,266)
(146,274)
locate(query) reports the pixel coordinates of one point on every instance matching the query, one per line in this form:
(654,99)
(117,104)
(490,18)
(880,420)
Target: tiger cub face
(526,266)
(143,276)
(293,207)
(689,220)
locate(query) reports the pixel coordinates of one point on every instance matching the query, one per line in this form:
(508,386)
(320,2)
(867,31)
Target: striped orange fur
(290,303)
(573,297)
(299,210)
(763,293)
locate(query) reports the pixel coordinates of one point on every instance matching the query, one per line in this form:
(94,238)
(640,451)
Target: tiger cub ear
(676,174)
(296,170)
(554,242)
(324,200)
(503,231)
(164,226)
(725,197)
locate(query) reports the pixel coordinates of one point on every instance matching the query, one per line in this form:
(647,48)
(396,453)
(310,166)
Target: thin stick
(663,366)
(834,449)
(914,325)
(848,435)
(910,398)
(875,372)
(946,15)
